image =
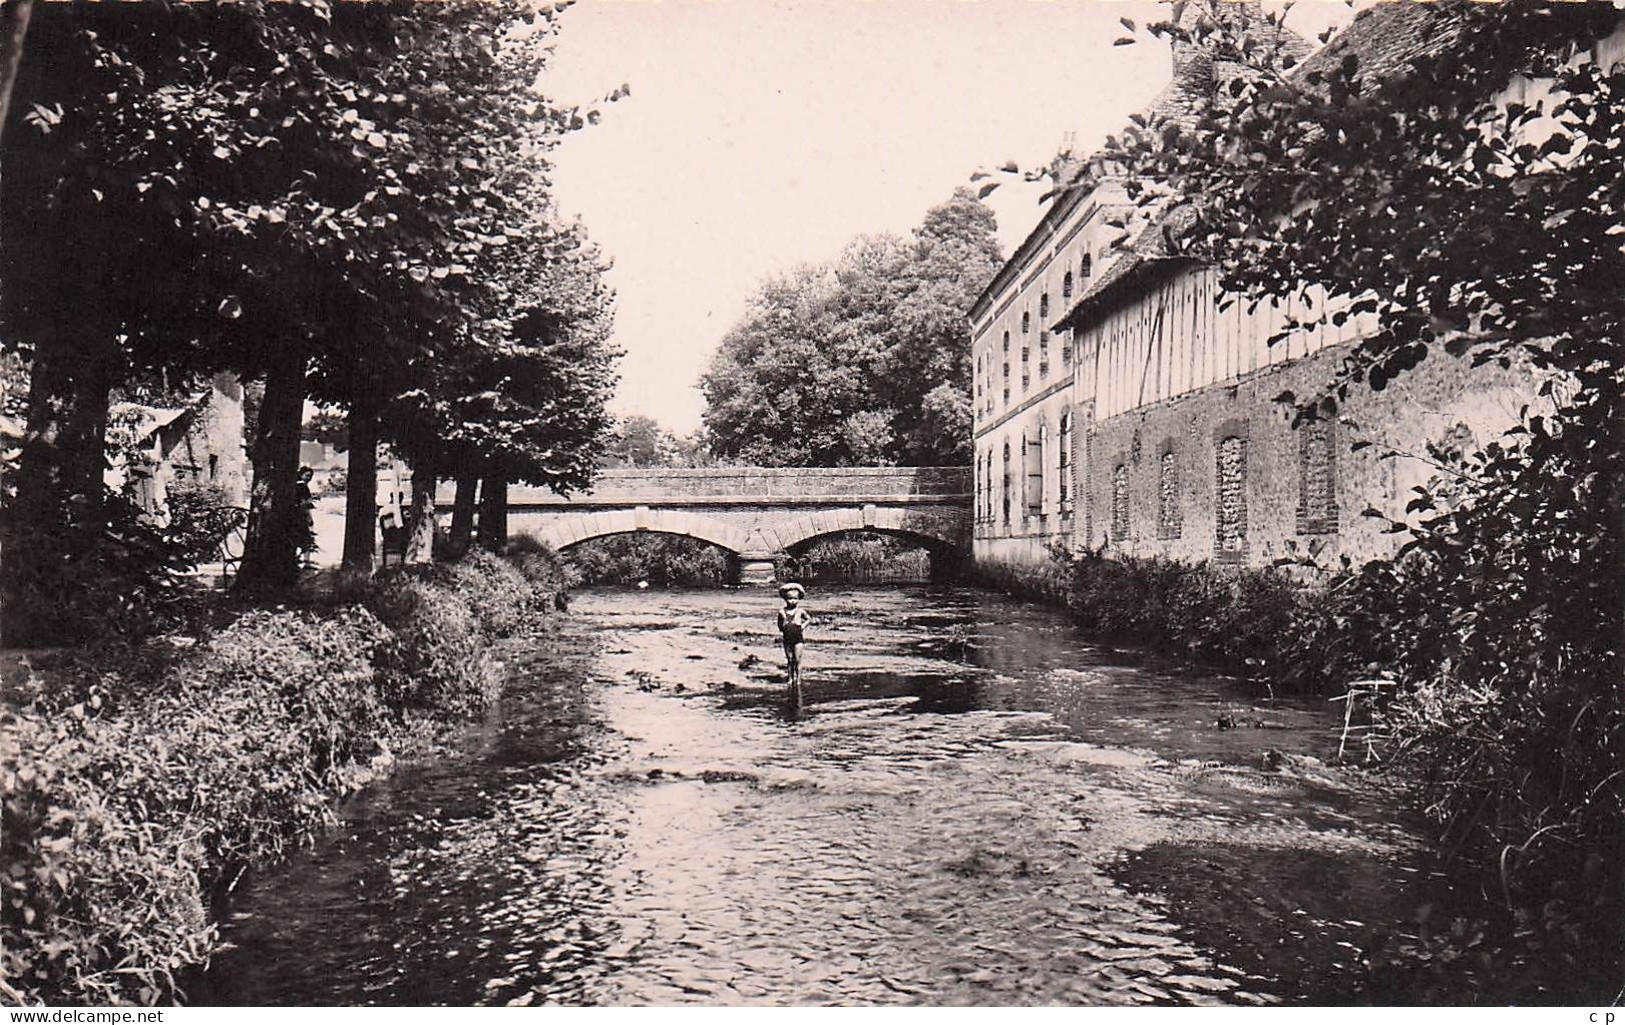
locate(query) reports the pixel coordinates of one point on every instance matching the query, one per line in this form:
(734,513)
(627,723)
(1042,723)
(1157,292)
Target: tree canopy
(349,199)
(862,361)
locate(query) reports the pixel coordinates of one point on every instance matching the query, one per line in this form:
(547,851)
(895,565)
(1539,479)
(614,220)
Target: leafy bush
(537,562)
(497,593)
(126,580)
(435,660)
(136,788)
(1232,619)
(119,822)
(661,559)
(856,557)
(201,518)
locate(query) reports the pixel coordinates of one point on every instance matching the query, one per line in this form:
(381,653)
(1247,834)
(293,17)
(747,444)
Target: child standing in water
(793,622)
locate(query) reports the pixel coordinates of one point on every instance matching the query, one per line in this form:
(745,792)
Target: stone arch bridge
(758,513)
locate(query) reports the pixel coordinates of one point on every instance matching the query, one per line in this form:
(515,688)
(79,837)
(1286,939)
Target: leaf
(986,190)
(1124,41)
(1127,23)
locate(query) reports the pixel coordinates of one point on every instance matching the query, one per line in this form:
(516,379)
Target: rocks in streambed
(728,776)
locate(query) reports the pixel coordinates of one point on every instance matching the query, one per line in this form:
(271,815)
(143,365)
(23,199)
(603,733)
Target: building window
(1026,321)
(1043,309)
(1170,522)
(1043,353)
(990,511)
(1007,341)
(1087,267)
(1230,542)
(984,486)
(1006,492)
(1066,286)
(1120,502)
(1317,479)
(1035,473)
(1063,461)
(214,466)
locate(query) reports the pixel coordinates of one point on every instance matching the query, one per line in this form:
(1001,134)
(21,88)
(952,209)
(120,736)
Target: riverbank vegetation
(661,560)
(859,559)
(1507,726)
(344,205)
(138,781)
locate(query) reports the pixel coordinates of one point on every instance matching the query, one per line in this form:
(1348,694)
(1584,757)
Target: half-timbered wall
(1175,339)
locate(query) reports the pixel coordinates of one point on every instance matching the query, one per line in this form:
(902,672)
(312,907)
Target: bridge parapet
(757,485)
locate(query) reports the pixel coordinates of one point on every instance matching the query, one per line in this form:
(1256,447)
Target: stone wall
(1228,455)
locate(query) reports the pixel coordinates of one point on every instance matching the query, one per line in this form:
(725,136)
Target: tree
(290,191)
(328,428)
(640,441)
(832,365)
(522,399)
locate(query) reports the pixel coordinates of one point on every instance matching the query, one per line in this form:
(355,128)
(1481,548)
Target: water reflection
(961,812)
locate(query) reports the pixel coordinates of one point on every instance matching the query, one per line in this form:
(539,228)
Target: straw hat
(786,590)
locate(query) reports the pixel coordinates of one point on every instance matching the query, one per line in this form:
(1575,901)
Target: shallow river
(974,805)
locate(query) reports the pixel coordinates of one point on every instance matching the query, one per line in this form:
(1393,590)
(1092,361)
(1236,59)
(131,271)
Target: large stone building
(1117,407)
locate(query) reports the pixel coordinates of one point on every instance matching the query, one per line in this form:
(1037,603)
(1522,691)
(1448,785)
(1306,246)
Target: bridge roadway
(758,513)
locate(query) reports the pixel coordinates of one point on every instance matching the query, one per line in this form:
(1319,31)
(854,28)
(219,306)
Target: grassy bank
(137,783)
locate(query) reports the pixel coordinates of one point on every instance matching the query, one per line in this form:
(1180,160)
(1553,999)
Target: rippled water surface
(974,805)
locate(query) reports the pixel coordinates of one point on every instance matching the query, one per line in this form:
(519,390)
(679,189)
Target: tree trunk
(462,512)
(46,473)
(277,516)
(420,542)
(361,487)
(15,28)
(494,513)
(59,510)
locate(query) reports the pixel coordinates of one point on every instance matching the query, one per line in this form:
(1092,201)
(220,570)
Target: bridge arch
(934,532)
(571,529)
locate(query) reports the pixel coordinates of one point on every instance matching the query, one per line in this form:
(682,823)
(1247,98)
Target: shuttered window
(1035,474)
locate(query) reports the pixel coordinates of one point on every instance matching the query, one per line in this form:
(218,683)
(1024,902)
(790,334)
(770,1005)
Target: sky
(763,134)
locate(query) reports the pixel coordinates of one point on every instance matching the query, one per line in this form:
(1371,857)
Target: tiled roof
(1194,80)
(1387,37)
(1148,250)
